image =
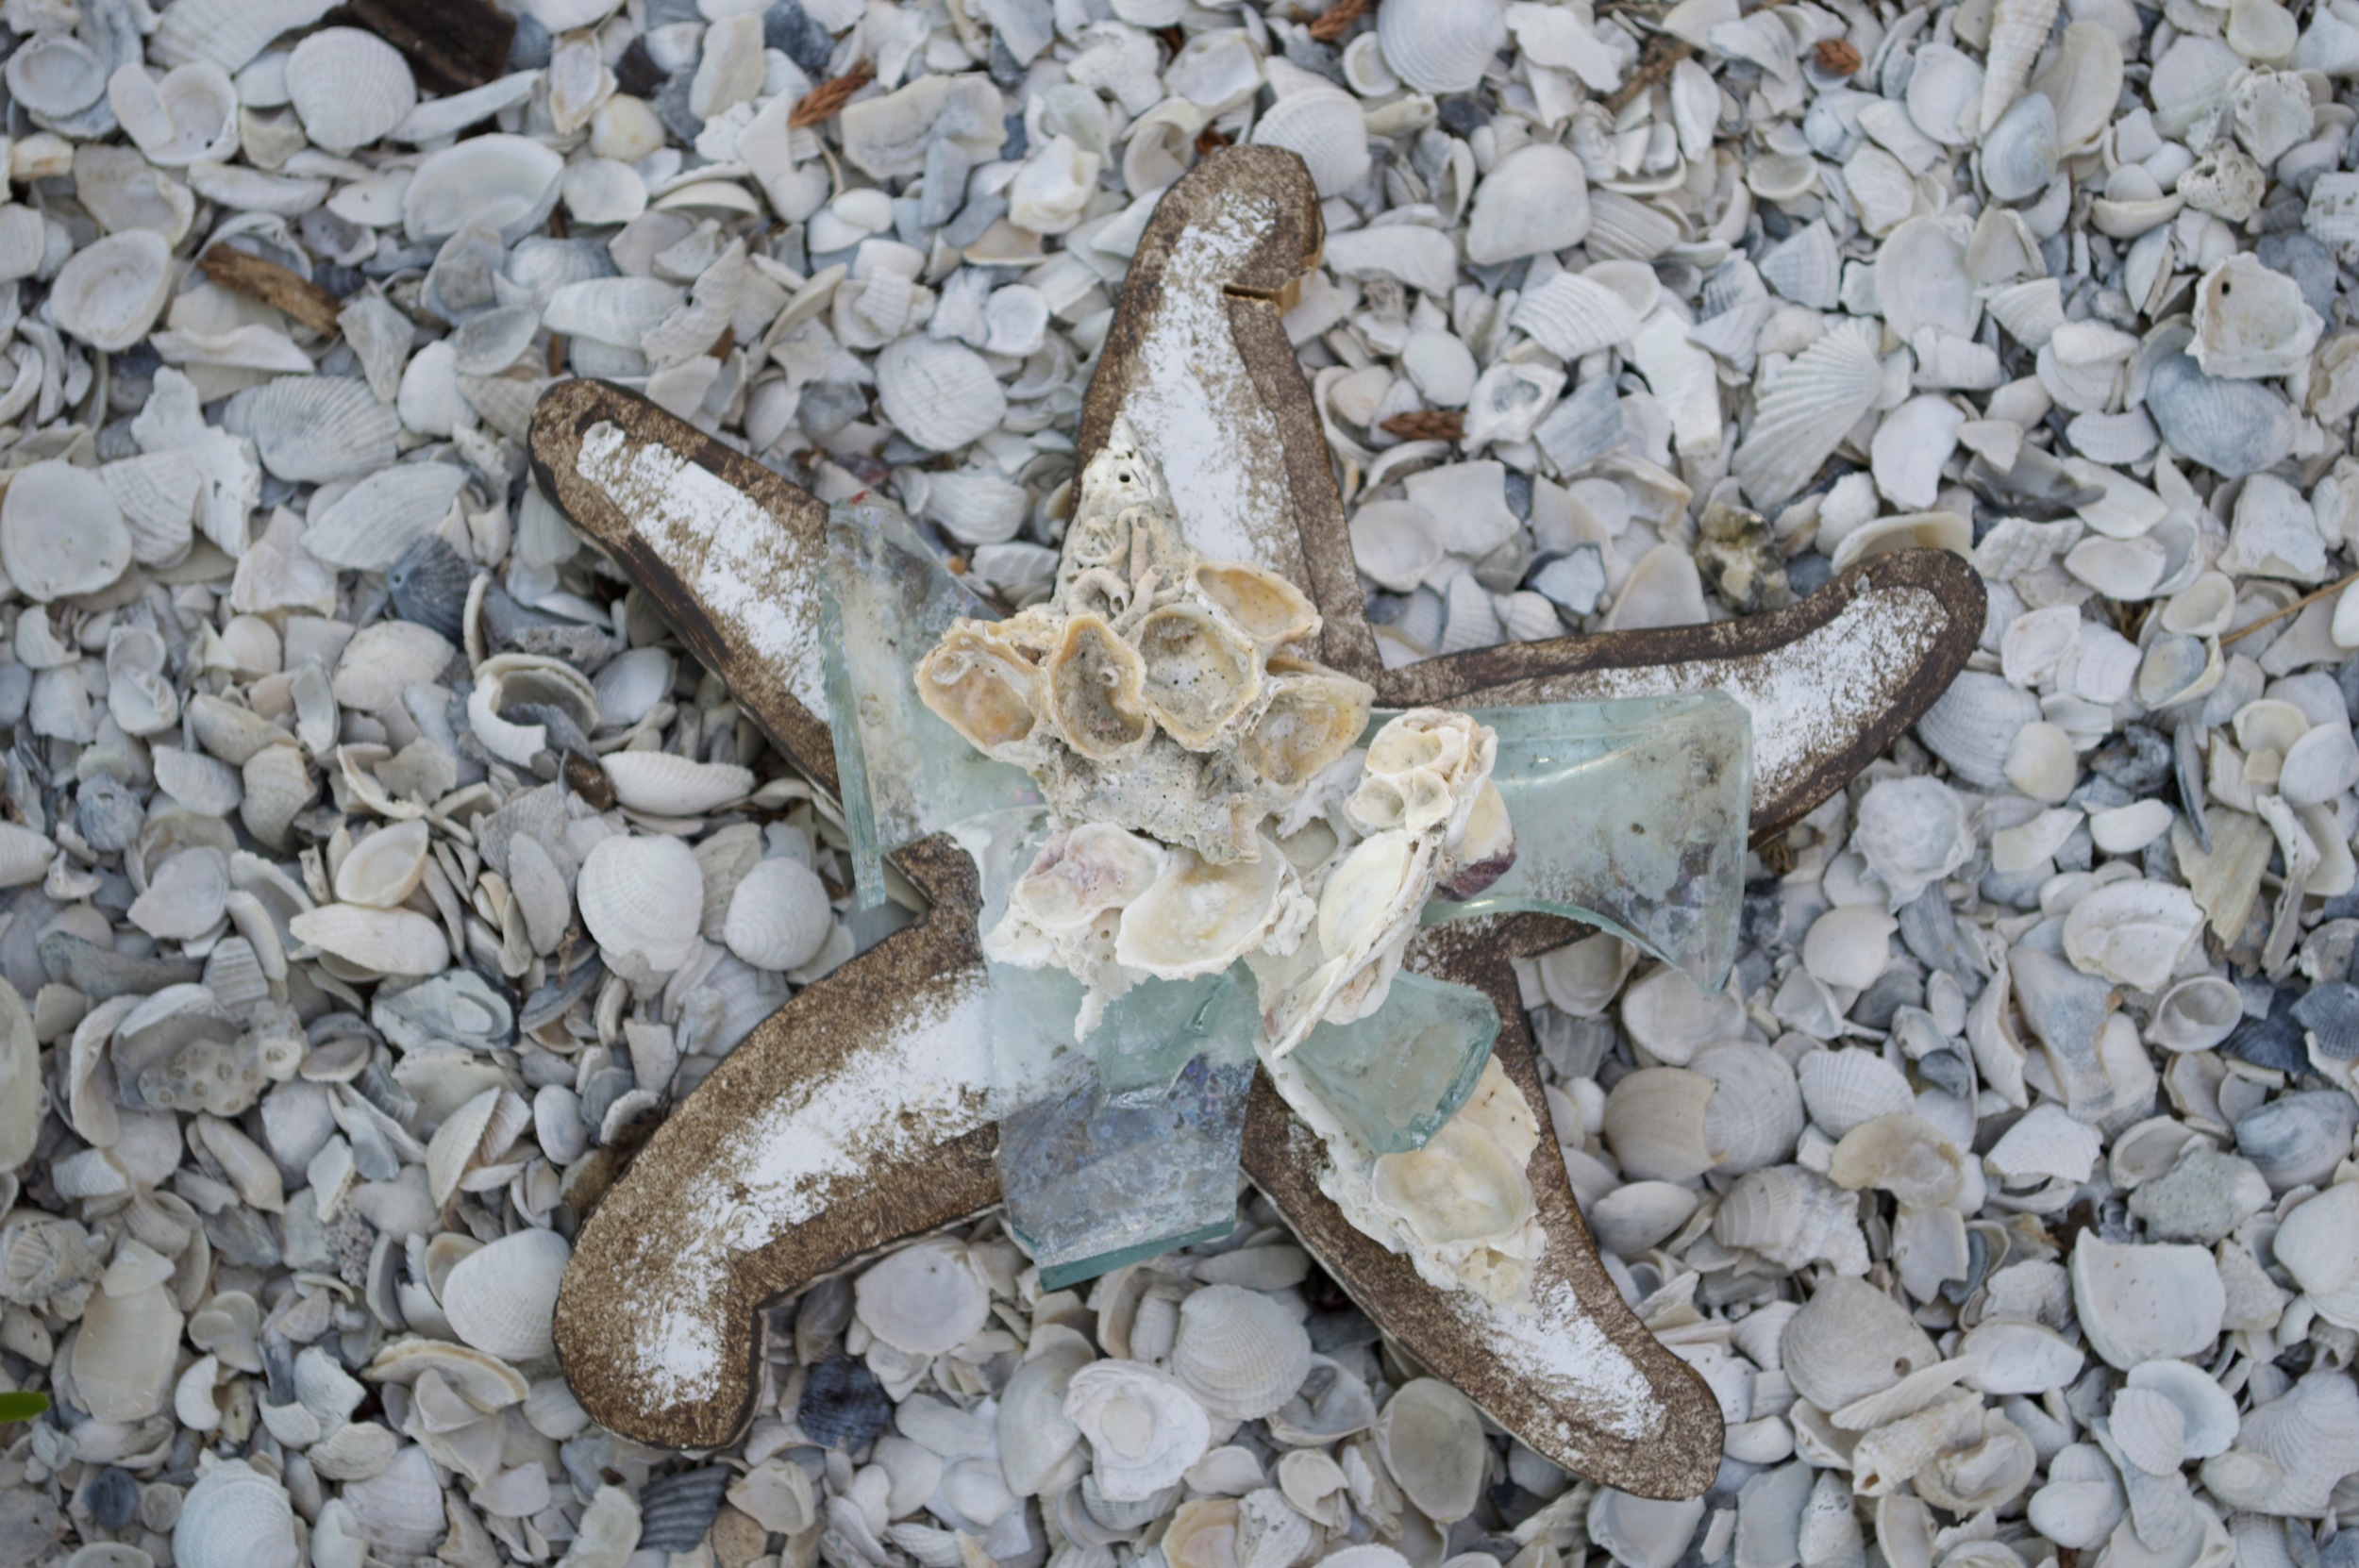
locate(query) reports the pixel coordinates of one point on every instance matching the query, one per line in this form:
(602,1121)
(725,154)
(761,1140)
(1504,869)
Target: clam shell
(1239,1352)
(1534,199)
(502,1299)
(1431,1437)
(1144,1427)
(941,395)
(778,916)
(1441,45)
(677,1510)
(1641,1532)
(1326,129)
(235,1517)
(190,114)
(641,897)
(2235,427)
(109,292)
(924,1299)
(384,868)
(315,428)
(1654,1124)
(665,785)
(508,183)
(1844,1089)
(1756,1115)
(56,76)
(2297,1138)
(60,532)
(2021,151)
(384,942)
(349,88)
(2207,1412)
(228,33)
(2139,1303)
(1849,1341)
(1571,315)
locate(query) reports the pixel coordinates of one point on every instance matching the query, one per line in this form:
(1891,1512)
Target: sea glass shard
(885,600)
(1126,1144)
(1630,815)
(1392,1079)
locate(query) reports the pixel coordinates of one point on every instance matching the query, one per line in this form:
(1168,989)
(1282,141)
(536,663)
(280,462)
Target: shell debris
(2006,1198)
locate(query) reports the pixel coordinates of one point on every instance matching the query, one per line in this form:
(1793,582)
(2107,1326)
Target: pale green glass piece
(1126,1144)
(885,600)
(1392,1079)
(1630,815)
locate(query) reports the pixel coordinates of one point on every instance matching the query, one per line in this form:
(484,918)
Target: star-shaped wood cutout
(856,1116)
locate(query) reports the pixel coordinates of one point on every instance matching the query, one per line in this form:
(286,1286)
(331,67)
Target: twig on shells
(822,102)
(243,273)
(1428,425)
(1332,23)
(2295,608)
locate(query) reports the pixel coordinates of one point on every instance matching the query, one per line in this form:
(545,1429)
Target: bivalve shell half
(1239,1352)
(502,1299)
(384,942)
(311,429)
(1430,1436)
(349,88)
(1849,1341)
(941,395)
(1441,45)
(642,897)
(2139,1303)
(509,183)
(60,532)
(779,915)
(1326,129)
(924,1299)
(235,1517)
(1144,1428)
(110,291)
(665,785)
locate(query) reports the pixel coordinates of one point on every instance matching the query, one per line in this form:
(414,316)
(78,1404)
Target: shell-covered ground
(2006,1199)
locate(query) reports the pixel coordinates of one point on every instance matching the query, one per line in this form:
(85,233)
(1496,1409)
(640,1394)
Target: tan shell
(1200,916)
(977,682)
(1262,604)
(384,868)
(665,785)
(1080,875)
(1312,718)
(1198,673)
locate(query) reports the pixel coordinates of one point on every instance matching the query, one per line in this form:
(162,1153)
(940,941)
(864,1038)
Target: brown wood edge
(563,416)
(820,1027)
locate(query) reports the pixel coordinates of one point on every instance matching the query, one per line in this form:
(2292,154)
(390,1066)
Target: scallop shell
(1326,129)
(276,785)
(1799,419)
(1974,724)
(235,1517)
(314,428)
(349,88)
(1849,1341)
(778,917)
(642,898)
(509,183)
(60,532)
(1672,1018)
(2297,1138)
(1755,1117)
(369,527)
(108,294)
(1805,267)
(1844,1089)
(502,1299)
(1144,1427)
(924,1299)
(1441,45)
(665,785)
(1431,1439)
(940,394)
(1239,1352)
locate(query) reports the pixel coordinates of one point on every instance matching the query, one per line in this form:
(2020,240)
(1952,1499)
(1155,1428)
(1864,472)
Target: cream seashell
(1441,45)
(1799,419)
(369,527)
(384,942)
(2252,321)
(1842,1089)
(2138,1303)
(60,533)
(1534,199)
(1793,1217)
(1849,1341)
(1641,1532)
(109,292)
(1198,673)
(1571,315)
(1431,1437)
(349,88)
(665,785)
(940,394)
(1199,916)
(1326,129)
(509,183)
(502,1299)
(643,899)
(924,1299)
(2196,1014)
(2018,31)
(2207,1412)
(192,115)
(1639,1215)
(124,1355)
(1144,1427)
(235,1517)
(1654,1124)
(778,916)
(384,868)
(2020,153)
(1240,1351)
(2019,1357)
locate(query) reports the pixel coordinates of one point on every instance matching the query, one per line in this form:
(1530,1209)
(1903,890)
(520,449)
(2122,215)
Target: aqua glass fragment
(1126,1144)
(1392,1079)
(1630,815)
(885,600)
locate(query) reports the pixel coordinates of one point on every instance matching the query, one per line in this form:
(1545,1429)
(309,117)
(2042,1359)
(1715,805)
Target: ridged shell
(235,1517)
(1441,45)
(1975,723)
(1756,1115)
(2235,427)
(502,1299)
(676,1510)
(1326,129)
(1805,267)
(1842,1089)
(315,428)
(349,88)
(666,785)
(2149,1431)
(384,942)
(110,291)
(1801,417)
(643,896)
(1794,1218)
(228,33)
(1654,1124)
(941,395)
(617,311)
(2018,31)
(778,916)
(2207,1412)
(1239,1352)
(369,526)
(1849,1341)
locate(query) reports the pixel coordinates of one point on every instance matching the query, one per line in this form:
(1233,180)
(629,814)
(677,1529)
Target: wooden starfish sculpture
(856,1116)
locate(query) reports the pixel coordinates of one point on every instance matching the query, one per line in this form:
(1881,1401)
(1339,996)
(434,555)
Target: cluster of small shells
(378,867)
